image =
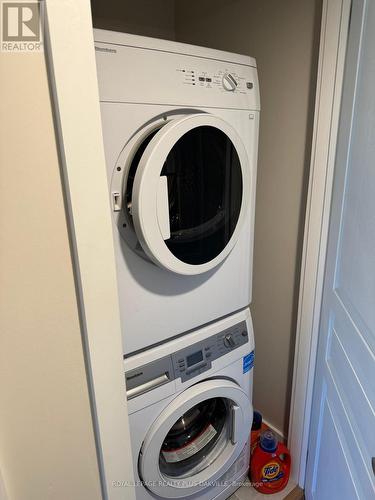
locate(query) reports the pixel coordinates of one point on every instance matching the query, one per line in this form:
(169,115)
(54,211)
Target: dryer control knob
(229,83)
(229,341)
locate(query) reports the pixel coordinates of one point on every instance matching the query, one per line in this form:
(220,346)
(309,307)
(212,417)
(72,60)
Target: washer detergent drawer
(149,383)
(195,439)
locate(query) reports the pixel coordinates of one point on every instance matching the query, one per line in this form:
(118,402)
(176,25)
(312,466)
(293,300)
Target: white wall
(283,36)
(47,448)
(142,17)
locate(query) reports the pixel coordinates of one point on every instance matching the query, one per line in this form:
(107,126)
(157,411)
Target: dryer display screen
(194,358)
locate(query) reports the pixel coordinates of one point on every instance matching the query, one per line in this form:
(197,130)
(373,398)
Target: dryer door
(190,193)
(195,439)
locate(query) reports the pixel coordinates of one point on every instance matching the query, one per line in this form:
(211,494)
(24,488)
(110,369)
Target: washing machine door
(190,193)
(195,439)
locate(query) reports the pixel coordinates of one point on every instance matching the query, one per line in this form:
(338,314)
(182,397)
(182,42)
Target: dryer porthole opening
(204,192)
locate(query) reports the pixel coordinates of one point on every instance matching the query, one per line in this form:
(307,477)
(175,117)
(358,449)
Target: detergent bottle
(270,464)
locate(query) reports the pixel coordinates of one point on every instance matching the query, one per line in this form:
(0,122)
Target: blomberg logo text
(21,26)
(105,49)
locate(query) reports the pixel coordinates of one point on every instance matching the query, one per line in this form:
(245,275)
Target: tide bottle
(270,464)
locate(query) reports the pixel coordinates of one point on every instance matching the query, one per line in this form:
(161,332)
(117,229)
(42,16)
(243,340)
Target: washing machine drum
(196,439)
(186,191)
(192,437)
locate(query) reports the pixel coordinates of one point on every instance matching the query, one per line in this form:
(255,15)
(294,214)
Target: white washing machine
(180,126)
(190,411)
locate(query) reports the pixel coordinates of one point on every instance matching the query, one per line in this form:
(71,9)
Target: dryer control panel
(185,363)
(134,74)
(217,79)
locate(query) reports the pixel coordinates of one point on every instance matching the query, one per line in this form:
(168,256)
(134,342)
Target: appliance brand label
(105,49)
(271,472)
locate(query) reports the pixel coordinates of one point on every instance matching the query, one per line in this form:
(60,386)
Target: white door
(183,193)
(340,461)
(195,440)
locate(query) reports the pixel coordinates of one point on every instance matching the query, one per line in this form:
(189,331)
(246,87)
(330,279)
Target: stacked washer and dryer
(180,126)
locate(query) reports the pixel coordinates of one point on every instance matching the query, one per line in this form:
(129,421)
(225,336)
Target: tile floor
(247,492)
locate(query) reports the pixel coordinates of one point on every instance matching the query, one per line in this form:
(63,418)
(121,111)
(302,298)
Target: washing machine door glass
(196,439)
(190,192)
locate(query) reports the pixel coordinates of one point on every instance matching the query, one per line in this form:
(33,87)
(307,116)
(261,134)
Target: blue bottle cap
(268,441)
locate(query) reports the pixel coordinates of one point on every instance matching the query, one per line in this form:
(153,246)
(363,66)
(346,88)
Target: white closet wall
(47,445)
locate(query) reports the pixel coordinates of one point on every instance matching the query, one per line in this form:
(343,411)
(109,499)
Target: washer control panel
(197,358)
(185,363)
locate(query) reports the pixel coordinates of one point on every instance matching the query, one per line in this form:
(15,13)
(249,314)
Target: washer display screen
(194,358)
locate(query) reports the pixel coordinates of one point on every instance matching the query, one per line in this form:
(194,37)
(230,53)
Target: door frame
(71,65)
(332,51)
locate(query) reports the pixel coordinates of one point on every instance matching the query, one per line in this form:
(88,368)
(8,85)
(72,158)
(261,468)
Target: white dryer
(190,412)
(180,126)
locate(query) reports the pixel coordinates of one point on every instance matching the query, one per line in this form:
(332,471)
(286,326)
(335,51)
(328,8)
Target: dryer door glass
(204,178)
(196,439)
